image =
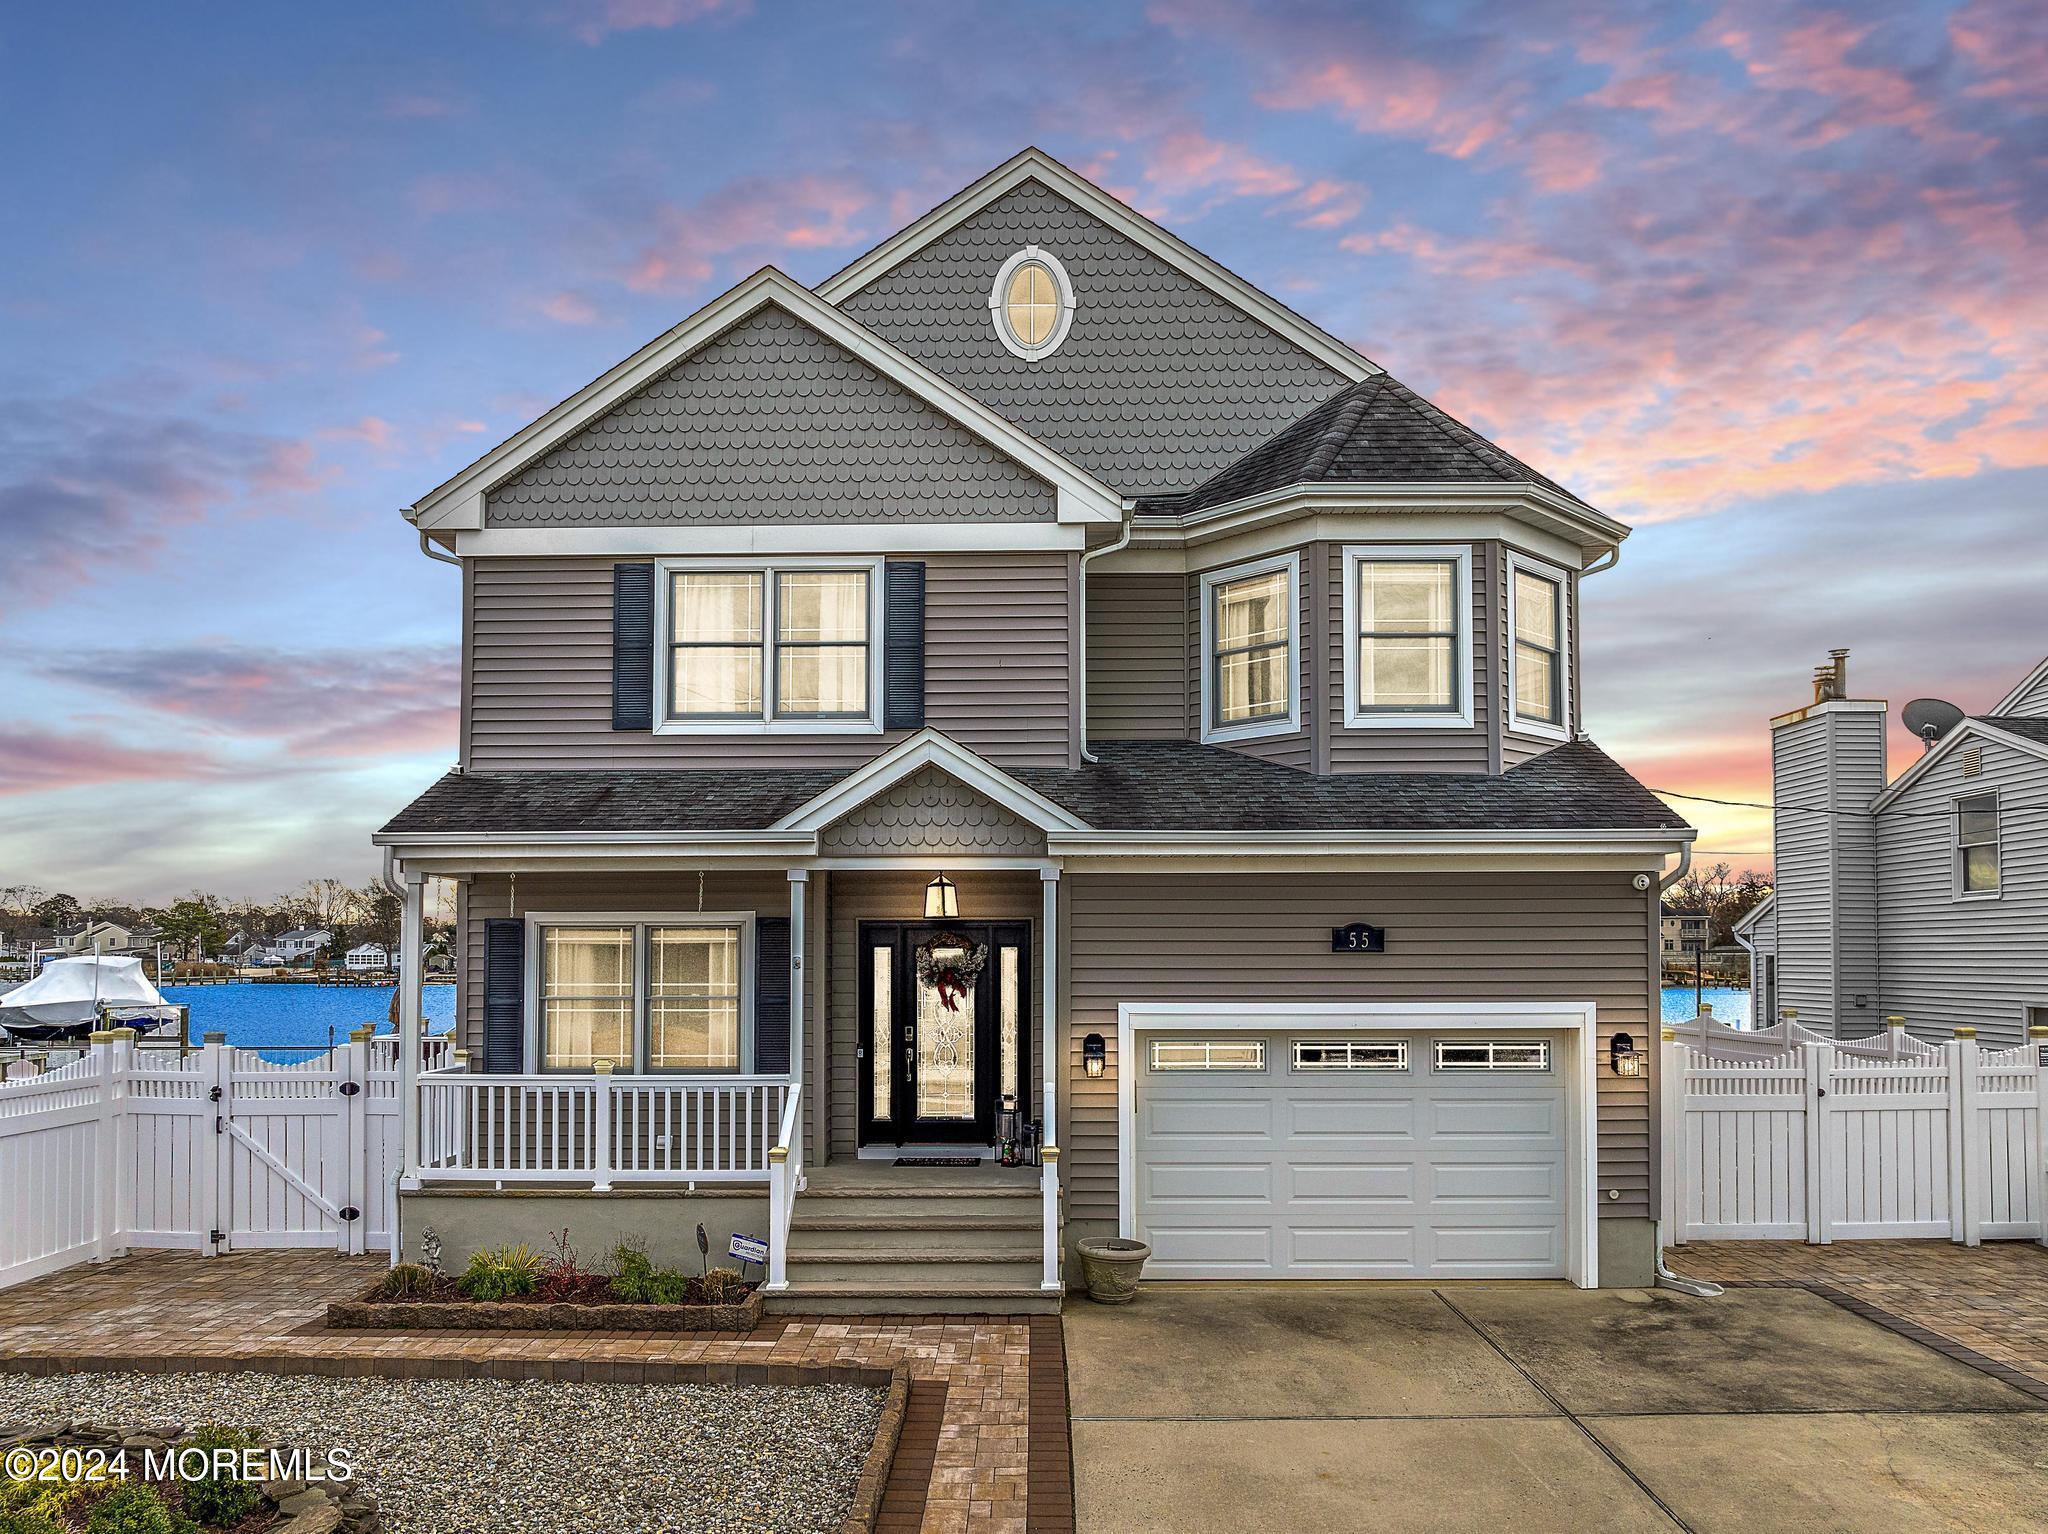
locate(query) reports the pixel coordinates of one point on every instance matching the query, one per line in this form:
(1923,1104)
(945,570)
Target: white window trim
(1355,717)
(1398,1066)
(1955,845)
(640,921)
(998,312)
(1209,1065)
(665,572)
(1288,723)
(1575,1063)
(1492,1063)
(1519,724)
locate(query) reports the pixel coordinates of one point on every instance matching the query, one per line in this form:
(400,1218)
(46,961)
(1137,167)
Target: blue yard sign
(748,1248)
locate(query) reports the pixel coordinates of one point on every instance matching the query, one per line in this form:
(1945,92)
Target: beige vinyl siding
(1517,746)
(489,895)
(1978,962)
(859,895)
(1262,938)
(1405,750)
(999,670)
(1138,646)
(1296,748)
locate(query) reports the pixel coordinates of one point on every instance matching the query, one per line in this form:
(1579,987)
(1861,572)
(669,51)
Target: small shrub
(722,1286)
(219,1500)
(27,1519)
(632,1274)
(500,1273)
(409,1281)
(671,1288)
(134,1509)
(563,1277)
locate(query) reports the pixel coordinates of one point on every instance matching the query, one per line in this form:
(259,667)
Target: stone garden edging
(538,1315)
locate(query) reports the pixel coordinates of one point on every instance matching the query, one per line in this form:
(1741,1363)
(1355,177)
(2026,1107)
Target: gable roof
(457,503)
(927,748)
(1756,913)
(1035,164)
(2023,731)
(2032,680)
(1374,430)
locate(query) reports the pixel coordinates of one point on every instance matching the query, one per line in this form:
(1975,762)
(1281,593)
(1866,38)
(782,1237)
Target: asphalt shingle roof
(1377,429)
(2027,726)
(1136,786)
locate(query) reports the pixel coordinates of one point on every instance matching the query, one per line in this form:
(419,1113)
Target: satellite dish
(1931,718)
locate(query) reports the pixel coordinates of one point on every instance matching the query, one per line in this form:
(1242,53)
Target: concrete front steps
(898,1246)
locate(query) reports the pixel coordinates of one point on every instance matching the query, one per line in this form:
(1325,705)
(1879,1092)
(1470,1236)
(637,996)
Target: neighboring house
(1684,934)
(1037,676)
(105,937)
(367,956)
(1923,896)
(292,947)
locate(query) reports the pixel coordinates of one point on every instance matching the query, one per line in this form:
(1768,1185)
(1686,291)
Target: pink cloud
(592,21)
(569,309)
(35,761)
(1187,161)
(369,431)
(756,216)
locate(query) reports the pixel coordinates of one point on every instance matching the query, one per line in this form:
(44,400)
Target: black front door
(944,1030)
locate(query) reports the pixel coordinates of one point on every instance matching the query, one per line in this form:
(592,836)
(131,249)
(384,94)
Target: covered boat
(71,997)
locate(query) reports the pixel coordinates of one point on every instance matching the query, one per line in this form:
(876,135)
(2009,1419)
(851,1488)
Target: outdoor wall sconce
(1623,1057)
(942,900)
(1094,1055)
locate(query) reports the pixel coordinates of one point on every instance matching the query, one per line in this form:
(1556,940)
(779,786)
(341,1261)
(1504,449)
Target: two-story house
(299,944)
(1921,897)
(1033,678)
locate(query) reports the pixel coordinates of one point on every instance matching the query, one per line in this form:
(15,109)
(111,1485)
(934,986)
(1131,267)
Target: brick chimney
(1827,765)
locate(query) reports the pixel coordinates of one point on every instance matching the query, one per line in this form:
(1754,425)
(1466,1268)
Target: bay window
(1250,631)
(783,645)
(652,994)
(1536,616)
(1408,644)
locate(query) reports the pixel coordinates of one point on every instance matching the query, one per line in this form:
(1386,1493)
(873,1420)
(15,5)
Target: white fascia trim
(1542,507)
(1309,845)
(1460,718)
(740,540)
(1035,164)
(1756,914)
(2026,686)
(1577,1020)
(927,748)
(1968,729)
(1517,724)
(1288,723)
(459,501)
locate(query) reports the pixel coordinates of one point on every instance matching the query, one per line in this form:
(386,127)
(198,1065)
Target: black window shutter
(633,647)
(504,996)
(903,644)
(771,995)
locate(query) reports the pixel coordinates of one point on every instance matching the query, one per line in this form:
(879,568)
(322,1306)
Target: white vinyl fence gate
(218,1150)
(1829,1142)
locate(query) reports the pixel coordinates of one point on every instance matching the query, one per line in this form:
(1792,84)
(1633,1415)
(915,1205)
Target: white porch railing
(599,1129)
(785,1178)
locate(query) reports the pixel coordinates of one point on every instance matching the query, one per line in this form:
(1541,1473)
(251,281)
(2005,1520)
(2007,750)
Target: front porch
(852,1063)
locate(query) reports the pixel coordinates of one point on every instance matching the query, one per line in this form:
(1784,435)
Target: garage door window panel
(1492,1055)
(1319,1055)
(1208,1055)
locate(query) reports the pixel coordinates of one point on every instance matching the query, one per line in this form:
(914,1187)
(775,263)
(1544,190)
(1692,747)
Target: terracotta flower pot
(1110,1266)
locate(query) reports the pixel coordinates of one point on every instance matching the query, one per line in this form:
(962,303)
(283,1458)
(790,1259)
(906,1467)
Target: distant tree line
(1724,895)
(200,925)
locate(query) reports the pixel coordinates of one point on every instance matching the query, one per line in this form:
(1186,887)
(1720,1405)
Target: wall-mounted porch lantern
(1624,1058)
(1094,1055)
(941,900)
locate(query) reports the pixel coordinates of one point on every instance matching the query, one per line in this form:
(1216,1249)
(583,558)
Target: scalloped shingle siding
(1159,384)
(771,422)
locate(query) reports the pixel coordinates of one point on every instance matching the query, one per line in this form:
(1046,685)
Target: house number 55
(1358,938)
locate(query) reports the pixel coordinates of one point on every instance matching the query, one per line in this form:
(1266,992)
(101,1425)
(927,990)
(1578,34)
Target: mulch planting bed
(536,1314)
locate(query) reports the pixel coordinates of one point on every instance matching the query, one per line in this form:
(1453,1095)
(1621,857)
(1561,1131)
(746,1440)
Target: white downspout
(1123,541)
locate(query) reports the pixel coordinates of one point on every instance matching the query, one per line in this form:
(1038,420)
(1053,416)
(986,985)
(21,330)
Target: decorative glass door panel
(944,1019)
(944,1047)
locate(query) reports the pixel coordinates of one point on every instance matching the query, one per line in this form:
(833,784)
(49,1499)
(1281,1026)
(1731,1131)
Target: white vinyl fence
(216,1150)
(1819,1141)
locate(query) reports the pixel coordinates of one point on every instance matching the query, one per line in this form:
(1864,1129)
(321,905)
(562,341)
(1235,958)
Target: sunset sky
(1763,279)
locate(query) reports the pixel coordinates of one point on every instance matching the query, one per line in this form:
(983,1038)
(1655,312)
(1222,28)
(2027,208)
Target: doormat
(938,1161)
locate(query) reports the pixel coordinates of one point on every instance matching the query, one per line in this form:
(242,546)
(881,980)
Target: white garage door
(1355,1155)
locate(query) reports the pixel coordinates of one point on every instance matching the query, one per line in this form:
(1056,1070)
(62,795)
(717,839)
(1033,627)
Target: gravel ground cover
(538,1457)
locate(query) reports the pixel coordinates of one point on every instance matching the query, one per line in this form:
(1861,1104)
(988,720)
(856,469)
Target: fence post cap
(361,1035)
(603,1067)
(1895,1020)
(2037,1030)
(103,1035)
(459,1056)
(1706,1009)
(1670,1034)
(1965,1031)
(213,1037)
(777,1154)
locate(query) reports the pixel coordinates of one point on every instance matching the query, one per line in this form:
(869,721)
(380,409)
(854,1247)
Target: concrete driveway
(1533,1408)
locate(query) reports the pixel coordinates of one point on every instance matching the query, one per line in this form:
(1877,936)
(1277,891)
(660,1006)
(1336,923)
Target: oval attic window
(1032,303)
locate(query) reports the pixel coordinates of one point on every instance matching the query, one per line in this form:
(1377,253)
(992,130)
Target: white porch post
(411,961)
(799,882)
(1053,1028)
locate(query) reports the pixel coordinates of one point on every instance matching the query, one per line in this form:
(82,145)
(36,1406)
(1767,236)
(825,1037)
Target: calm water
(1730,1004)
(263,1016)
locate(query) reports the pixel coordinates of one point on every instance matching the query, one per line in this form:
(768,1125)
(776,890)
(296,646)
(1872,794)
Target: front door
(944,1030)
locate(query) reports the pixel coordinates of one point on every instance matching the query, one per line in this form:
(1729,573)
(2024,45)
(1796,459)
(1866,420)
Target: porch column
(1054,1030)
(799,882)
(411,960)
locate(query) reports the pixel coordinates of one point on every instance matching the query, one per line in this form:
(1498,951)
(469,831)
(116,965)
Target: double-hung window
(782,646)
(1977,845)
(1408,641)
(654,994)
(1250,633)
(1536,596)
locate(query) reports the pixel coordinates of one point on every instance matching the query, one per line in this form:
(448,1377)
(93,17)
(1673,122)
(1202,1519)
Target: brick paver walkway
(271,1304)
(1991,1299)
